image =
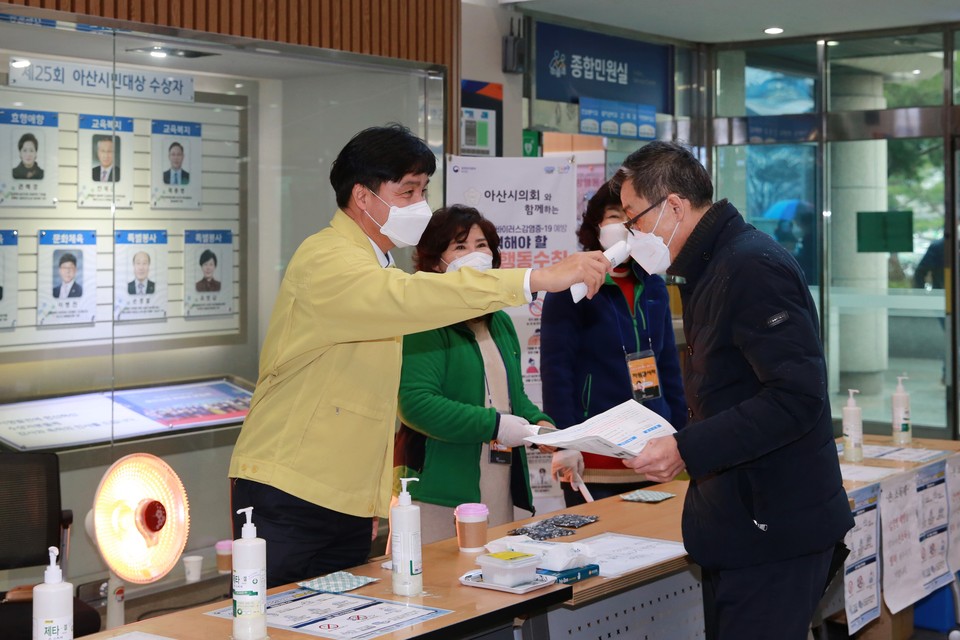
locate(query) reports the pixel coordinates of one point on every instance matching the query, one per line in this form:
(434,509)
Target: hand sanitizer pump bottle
(53,604)
(406,558)
(902,430)
(249,583)
(852,430)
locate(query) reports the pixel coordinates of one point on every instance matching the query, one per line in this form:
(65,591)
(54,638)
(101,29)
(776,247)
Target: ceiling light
(159,51)
(832,43)
(773,31)
(20,63)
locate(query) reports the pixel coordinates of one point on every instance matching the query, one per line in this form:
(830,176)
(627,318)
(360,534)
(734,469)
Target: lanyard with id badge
(642,365)
(499,454)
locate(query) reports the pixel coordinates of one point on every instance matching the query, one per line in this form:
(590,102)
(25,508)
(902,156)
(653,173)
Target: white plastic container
(902,429)
(508,568)
(406,557)
(53,604)
(249,583)
(852,430)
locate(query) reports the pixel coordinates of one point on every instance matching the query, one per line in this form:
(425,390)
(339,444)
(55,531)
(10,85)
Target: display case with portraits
(151,194)
(148,208)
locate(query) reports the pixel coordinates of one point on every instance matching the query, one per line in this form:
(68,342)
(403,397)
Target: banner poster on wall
(29,149)
(590,177)
(66,277)
(532,201)
(176,170)
(9,278)
(105,162)
(207,272)
(140,285)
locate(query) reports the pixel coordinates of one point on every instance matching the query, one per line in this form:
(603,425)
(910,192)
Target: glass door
(887,278)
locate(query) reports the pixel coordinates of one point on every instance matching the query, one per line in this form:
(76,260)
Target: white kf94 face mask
(404,225)
(477,259)
(649,250)
(611,234)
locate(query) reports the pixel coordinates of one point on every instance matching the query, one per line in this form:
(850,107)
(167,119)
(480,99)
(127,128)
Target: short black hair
(175,144)
(660,168)
(452,223)
(28,137)
(377,155)
(208,255)
(67,257)
(589,232)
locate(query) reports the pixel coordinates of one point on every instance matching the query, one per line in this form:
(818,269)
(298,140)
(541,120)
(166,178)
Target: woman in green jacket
(463,409)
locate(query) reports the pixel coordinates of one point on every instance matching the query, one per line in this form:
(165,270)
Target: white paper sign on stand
(532,202)
(902,584)
(861,570)
(953,505)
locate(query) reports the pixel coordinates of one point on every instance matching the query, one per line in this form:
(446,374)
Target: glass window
(765,81)
(886,292)
(774,187)
(956,67)
(886,73)
(145,225)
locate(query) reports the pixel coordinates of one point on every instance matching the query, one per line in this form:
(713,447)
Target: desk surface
(471,608)
(475,608)
(950,446)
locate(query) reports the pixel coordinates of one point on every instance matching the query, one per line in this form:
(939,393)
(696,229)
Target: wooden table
(472,609)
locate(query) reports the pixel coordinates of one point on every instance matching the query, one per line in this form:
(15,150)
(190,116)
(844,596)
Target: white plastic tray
(475,579)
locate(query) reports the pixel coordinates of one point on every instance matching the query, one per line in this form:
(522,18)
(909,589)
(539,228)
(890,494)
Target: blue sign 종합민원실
(572,63)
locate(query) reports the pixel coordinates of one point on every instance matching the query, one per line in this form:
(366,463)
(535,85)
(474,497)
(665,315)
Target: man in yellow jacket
(314,457)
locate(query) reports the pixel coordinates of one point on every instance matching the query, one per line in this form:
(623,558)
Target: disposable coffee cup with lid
(472,526)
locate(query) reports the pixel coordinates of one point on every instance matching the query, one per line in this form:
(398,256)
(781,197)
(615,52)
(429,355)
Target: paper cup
(224,556)
(193,567)
(471,526)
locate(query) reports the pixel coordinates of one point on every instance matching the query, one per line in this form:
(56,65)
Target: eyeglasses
(629,223)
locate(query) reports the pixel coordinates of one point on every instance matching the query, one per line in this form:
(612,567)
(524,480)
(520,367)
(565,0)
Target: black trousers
(304,540)
(773,601)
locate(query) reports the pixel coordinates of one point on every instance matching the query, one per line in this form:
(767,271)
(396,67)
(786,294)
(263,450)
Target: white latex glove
(513,429)
(565,463)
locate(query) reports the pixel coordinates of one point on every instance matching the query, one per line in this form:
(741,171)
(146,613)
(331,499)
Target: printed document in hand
(620,432)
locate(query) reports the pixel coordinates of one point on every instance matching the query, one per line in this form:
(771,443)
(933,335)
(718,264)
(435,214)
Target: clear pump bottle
(405,548)
(249,582)
(53,604)
(902,429)
(852,430)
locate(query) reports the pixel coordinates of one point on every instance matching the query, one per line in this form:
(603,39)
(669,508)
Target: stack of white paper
(620,432)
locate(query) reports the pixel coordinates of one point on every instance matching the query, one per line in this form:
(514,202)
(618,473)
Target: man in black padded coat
(766,512)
